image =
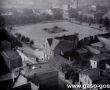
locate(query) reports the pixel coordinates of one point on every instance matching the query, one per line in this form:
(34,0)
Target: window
(94,63)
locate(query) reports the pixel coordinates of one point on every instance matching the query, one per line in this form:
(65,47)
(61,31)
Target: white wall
(84,79)
(93,63)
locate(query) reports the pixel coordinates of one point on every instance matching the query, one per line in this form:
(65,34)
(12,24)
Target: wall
(84,79)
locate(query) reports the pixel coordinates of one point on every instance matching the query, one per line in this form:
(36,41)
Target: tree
(23,38)
(27,39)
(19,35)
(5,45)
(55,27)
(31,42)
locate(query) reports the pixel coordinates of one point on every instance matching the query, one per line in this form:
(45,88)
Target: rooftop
(10,54)
(8,76)
(64,46)
(53,42)
(100,57)
(68,37)
(98,44)
(38,69)
(82,50)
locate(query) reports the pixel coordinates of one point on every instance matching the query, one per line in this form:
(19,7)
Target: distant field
(37,33)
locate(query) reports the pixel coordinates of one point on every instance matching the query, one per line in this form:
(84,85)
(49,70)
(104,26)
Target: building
(63,47)
(7,80)
(32,55)
(99,61)
(106,42)
(49,48)
(103,80)
(25,59)
(65,11)
(89,76)
(93,50)
(57,13)
(3,66)
(59,45)
(26,86)
(43,75)
(70,38)
(12,59)
(21,83)
(40,55)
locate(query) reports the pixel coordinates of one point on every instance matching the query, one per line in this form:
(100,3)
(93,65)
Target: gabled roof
(10,54)
(53,42)
(64,46)
(106,42)
(20,81)
(26,86)
(93,50)
(98,44)
(39,69)
(8,76)
(50,41)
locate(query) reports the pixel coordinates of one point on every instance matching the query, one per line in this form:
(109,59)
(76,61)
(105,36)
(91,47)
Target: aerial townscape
(54,44)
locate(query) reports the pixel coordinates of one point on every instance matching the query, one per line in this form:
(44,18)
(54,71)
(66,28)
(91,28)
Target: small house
(49,47)
(89,76)
(99,61)
(43,75)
